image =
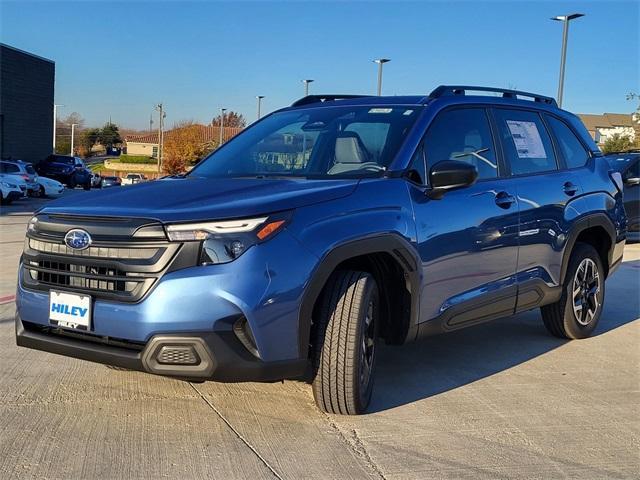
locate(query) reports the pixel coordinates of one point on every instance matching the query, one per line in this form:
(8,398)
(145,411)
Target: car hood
(48,181)
(197,198)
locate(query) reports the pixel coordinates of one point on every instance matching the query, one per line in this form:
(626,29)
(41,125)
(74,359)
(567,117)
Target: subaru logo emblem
(77,239)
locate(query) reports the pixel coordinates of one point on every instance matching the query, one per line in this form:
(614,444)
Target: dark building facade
(26,105)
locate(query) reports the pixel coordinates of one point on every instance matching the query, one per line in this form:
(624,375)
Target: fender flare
(590,221)
(394,244)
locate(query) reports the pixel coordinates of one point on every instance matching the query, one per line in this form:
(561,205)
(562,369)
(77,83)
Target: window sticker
(381,110)
(526,139)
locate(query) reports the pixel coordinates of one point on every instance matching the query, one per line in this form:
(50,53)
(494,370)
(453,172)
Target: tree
(63,132)
(183,146)
(231,119)
(617,143)
(109,135)
(88,138)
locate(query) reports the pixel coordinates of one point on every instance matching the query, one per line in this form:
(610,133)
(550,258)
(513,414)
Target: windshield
(346,141)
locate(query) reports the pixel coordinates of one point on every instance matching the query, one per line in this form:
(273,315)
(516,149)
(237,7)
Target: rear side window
(9,168)
(463,135)
(30,169)
(572,150)
(525,141)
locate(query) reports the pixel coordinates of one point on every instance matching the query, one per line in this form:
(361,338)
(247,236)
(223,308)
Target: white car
(15,180)
(134,178)
(9,190)
(48,187)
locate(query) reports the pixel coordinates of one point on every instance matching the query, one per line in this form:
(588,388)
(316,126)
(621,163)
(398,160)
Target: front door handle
(505,200)
(570,188)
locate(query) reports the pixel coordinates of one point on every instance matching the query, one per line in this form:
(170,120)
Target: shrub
(617,143)
(136,159)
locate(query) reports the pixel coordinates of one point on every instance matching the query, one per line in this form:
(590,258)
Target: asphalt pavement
(500,400)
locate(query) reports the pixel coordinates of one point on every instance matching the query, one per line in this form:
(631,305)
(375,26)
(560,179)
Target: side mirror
(449,175)
(632,181)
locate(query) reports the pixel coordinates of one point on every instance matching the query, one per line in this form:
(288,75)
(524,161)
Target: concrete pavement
(500,400)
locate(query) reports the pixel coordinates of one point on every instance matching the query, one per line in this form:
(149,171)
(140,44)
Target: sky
(118,59)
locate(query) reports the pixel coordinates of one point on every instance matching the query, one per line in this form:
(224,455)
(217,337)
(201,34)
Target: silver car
(24,170)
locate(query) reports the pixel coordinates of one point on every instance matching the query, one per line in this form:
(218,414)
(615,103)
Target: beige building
(602,127)
(142,145)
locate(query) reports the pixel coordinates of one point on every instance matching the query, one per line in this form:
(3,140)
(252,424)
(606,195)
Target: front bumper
(230,362)
(262,289)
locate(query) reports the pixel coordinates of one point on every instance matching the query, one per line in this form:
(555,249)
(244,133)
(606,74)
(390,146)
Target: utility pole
(380,62)
(259,97)
(306,86)
(150,122)
(222,110)
(55,121)
(565,19)
(162,115)
(73,130)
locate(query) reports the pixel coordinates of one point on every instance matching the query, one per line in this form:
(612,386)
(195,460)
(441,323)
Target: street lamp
(306,86)
(380,62)
(55,120)
(161,116)
(73,130)
(565,19)
(222,110)
(259,97)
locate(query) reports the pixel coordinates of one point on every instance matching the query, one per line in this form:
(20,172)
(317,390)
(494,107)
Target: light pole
(306,82)
(222,110)
(380,62)
(160,109)
(565,19)
(73,131)
(259,98)
(55,120)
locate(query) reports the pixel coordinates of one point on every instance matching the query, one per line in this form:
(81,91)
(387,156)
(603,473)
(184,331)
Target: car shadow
(444,362)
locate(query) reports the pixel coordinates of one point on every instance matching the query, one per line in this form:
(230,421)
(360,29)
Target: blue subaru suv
(324,228)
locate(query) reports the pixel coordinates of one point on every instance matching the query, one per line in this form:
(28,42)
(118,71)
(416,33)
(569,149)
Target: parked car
(628,164)
(324,227)
(96,180)
(111,182)
(48,187)
(133,178)
(23,170)
(16,180)
(68,170)
(9,190)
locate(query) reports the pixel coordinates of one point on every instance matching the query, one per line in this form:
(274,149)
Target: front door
(468,239)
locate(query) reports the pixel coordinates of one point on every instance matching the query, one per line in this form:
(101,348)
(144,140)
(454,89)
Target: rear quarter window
(575,155)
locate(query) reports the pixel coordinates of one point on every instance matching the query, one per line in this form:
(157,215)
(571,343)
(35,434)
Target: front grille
(93,277)
(115,267)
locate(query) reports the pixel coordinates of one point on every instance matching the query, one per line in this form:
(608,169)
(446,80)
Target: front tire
(578,311)
(347,323)
(42,192)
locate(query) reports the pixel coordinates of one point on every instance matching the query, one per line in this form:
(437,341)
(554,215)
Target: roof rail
(323,98)
(445,90)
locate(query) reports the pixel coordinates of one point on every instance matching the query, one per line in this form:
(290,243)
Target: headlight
(32,225)
(226,240)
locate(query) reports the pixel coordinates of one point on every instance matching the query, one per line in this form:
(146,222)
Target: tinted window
(417,171)
(633,171)
(62,159)
(464,135)
(30,169)
(572,150)
(525,141)
(9,168)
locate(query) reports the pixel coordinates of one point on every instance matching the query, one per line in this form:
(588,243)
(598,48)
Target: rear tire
(344,351)
(578,311)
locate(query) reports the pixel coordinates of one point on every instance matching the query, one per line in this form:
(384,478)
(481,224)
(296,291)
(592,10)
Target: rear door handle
(570,188)
(505,200)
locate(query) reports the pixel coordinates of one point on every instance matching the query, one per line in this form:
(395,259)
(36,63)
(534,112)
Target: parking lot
(500,400)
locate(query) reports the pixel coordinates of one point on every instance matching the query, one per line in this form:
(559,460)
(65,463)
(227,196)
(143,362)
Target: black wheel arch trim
(582,224)
(392,243)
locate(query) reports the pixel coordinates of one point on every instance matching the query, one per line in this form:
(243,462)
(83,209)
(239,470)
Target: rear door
(467,240)
(544,188)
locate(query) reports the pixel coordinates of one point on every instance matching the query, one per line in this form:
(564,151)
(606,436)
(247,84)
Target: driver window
(463,135)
